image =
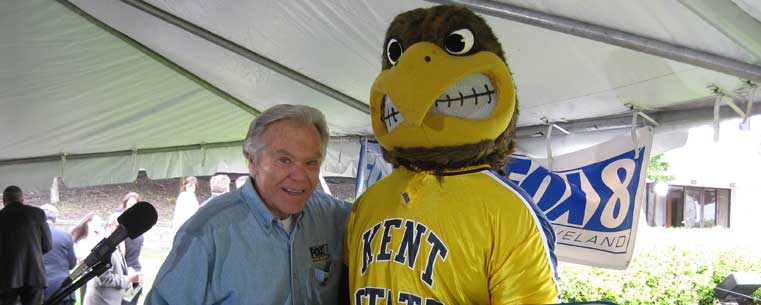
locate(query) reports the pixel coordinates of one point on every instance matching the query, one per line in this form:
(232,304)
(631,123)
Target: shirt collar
(261,212)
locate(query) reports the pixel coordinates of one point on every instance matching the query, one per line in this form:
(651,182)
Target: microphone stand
(66,290)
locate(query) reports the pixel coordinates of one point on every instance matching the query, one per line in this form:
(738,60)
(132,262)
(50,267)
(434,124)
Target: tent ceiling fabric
(68,85)
(558,76)
(250,82)
(752,7)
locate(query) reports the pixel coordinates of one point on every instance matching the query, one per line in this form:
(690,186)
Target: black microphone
(132,223)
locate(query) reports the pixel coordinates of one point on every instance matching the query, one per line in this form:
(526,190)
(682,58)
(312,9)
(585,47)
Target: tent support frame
(612,36)
(248,54)
(158,57)
(63,157)
(663,116)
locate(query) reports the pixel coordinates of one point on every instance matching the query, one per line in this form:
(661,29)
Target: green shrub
(659,274)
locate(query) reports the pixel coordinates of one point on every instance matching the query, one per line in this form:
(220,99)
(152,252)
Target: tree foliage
(658,169)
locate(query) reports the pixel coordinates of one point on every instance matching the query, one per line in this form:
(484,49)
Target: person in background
(273,241)
(187,203)
(85,235)
(132,246)
(219,184)
(128,201)
(61,258)
(240,181)
(109,287)
(24,239)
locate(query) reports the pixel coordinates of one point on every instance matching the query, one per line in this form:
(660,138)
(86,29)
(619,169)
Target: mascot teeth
(391,116)
(472,97)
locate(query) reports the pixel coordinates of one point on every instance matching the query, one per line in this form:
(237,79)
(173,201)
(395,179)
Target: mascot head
(445,98)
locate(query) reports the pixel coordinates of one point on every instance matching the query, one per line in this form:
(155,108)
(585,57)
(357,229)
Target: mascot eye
(459,42)
(393,50)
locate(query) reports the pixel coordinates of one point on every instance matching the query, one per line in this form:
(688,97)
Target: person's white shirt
(83,247)
(187,205)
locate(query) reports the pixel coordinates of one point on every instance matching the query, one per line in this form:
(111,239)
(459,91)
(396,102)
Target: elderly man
(61,258)
(24,238)
(218,184)
(240,181)
(273,241)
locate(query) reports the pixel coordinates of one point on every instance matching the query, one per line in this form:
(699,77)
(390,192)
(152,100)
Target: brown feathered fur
(433,25)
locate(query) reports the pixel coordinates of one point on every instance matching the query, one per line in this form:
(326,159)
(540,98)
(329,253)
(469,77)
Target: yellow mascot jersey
(466,237)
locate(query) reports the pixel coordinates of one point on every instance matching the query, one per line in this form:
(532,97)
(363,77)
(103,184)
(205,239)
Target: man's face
(289,164)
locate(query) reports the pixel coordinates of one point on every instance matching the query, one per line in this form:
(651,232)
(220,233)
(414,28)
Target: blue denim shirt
(232,251)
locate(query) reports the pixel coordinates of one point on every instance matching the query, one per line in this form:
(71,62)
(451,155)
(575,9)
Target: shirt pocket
(322,283)
(322,273)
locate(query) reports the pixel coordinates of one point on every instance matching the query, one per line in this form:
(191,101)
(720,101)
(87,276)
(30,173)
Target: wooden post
(54,197)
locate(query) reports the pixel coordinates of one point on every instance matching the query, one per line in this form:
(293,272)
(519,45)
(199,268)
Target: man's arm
(343,286)
(71,257)
(44,232)
(344,292)
(185,275)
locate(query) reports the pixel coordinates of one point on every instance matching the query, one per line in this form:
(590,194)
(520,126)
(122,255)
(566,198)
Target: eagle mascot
(445,227)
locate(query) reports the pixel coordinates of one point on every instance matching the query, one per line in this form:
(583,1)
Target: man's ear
(252,166)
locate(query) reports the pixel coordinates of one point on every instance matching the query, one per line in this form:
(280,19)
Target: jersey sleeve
(521,268)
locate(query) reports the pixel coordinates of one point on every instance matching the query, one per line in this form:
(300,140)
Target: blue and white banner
(592,196)
(372,166)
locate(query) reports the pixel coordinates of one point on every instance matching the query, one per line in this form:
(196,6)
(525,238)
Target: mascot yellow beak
(431,98)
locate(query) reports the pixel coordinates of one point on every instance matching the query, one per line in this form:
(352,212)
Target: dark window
(688,206)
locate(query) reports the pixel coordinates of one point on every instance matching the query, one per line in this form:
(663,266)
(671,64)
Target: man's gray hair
(294,113)
(219,184)
(51,212)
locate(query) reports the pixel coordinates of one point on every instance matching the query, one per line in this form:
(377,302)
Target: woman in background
(85,235)
(132,246)
(109,288)
(187,203)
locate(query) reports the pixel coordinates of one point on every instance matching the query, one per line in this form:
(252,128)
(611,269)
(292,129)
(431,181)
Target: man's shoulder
(34,210)
(60,235)
(222,210)
(56,230)
(323,201)
(21,207)
(29,210)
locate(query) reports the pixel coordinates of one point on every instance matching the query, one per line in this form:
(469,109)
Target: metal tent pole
(612,36)
(160,58)
(675,116)
(251,55)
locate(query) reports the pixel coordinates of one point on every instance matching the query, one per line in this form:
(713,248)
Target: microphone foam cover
(138,219)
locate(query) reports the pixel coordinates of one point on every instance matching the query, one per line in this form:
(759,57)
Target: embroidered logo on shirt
(319,253)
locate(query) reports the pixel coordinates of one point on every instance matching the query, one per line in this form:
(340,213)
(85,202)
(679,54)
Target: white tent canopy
(170,86)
